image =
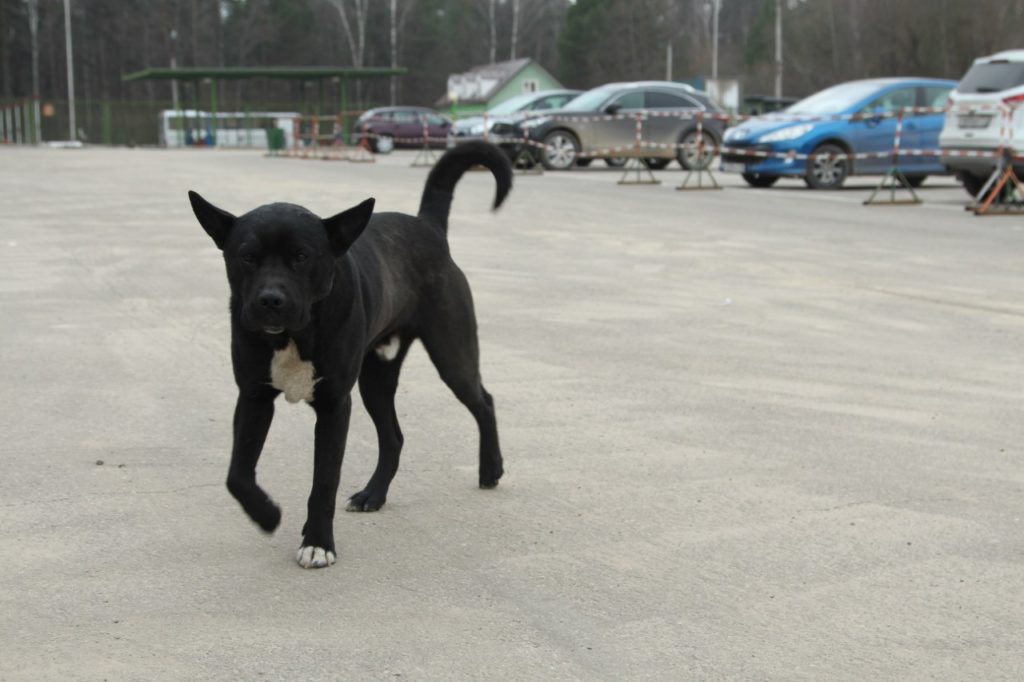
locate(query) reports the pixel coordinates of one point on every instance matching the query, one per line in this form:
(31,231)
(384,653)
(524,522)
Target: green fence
(126,123)
(17,122)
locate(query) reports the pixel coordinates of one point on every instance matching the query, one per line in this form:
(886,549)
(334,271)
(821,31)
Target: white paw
(315,557)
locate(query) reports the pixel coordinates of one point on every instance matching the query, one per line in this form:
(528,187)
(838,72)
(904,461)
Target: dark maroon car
(388,127)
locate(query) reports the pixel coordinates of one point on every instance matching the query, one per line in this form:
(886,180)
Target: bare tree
(357,40)
(33,28)
(394,50)
(492,25)
(515,29)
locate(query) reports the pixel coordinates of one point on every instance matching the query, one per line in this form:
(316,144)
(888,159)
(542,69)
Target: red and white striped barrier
(640,145)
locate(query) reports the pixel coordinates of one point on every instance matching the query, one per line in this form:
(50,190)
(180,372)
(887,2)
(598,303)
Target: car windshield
(510,106)
(590,100)
(835,99)
(992,77)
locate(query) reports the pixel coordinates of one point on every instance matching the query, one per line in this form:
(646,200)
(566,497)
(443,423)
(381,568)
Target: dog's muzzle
(273,312)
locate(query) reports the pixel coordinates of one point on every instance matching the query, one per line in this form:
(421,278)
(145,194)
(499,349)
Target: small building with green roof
(488,85)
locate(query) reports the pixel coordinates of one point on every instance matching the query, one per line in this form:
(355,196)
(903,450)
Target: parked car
(865,125)
(504,115)
(974,120)
(560,137)
(388,127)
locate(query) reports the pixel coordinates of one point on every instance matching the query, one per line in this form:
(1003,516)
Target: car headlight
(790,133)
(534,122)
(734,134)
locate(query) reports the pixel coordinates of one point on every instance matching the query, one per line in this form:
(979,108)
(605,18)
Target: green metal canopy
(285,72)
(212,74)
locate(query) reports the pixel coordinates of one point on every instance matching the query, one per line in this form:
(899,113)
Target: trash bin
(275,139)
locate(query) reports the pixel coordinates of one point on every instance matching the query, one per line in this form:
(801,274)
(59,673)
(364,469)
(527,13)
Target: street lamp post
(71,71)
(714,38)
(778,48)
(174,65)
(33,28)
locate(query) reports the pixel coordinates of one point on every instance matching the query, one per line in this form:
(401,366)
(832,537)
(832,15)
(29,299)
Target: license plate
(733,167)
(973,121)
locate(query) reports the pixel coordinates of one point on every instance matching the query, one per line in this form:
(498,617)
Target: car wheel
(560,150)
(688,155)
(657,164)
(383,144)
(915,180)
(615,161)
(827,167)
(760,179)
(972,183)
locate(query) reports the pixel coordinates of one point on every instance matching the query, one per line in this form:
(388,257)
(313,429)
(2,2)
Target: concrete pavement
(749,434)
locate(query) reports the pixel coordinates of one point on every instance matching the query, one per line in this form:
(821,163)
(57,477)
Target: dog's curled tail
(440,187)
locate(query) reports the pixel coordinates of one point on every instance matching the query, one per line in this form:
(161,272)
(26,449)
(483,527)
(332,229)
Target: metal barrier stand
(526,163)
(1003,193)
(361,152)
(425,157)
(701,167)
(636,163)
(894,176)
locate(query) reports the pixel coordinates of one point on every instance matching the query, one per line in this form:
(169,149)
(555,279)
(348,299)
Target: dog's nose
(271,299)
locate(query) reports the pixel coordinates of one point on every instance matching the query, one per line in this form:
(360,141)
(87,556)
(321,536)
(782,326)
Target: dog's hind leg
(253,413)
(378,381)
(451,341)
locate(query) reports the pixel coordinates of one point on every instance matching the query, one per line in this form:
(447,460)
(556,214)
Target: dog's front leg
(332,416)
(253,413)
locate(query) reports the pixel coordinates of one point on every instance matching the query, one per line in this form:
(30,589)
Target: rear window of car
(657,99)
(631,100)
(936,97)
(552,102)
(992,77)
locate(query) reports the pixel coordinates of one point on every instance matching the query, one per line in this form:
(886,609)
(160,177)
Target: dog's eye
(248,258)
(299,258)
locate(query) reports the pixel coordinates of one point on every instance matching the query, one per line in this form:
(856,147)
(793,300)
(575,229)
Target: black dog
(316,307)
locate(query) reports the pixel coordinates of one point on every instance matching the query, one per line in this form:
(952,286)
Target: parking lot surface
(749,434)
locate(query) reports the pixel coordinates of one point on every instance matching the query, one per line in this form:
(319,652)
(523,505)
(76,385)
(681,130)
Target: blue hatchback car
(826,142)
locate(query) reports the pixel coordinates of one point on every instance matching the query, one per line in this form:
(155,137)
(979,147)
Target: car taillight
(1015,101)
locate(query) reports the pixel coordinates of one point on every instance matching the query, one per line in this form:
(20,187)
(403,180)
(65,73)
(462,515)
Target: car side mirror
(872,116)
(613,109)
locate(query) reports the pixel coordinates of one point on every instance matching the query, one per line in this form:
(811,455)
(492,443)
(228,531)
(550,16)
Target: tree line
(583,42)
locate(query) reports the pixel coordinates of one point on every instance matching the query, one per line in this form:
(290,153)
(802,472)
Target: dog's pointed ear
(215,221)
(345,228)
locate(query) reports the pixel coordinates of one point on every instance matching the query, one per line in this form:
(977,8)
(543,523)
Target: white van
(975,119)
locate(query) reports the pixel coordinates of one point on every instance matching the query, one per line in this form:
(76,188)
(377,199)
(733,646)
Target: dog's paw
(310,556)
(489,476)
(267,516)
(365,501)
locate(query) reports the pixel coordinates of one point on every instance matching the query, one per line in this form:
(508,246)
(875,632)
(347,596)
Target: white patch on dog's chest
(292,375)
